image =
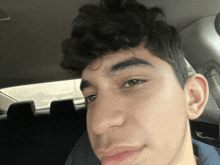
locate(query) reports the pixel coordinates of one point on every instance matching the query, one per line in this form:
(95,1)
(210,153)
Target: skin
(152,113)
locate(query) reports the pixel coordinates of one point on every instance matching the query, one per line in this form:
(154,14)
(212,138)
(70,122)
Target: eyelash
(134,82)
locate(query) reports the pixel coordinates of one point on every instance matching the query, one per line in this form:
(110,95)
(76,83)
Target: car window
(44,93)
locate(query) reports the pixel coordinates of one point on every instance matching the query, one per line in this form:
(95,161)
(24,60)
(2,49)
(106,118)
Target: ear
(197,93)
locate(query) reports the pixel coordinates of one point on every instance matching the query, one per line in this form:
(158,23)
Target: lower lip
(122,156)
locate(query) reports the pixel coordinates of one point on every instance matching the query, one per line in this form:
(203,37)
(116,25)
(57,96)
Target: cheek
(88,125)
(162,115)
(92,138)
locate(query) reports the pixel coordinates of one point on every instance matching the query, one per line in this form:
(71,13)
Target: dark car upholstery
(34,138)
(82,153)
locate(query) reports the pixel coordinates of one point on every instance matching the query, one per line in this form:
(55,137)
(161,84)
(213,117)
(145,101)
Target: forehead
(103,64)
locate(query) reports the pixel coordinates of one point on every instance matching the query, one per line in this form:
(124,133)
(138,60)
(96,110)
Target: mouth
(130,155)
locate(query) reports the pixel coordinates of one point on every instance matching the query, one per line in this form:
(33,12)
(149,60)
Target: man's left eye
(131,83)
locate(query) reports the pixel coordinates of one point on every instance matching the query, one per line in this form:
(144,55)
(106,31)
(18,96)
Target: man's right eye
(90,98)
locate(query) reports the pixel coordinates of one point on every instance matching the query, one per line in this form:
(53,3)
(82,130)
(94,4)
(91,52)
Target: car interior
(42,111)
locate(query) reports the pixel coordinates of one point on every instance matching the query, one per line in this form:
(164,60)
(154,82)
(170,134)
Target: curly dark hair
(121,24)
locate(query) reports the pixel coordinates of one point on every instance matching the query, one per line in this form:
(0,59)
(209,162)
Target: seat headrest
(62,107)
(21,110)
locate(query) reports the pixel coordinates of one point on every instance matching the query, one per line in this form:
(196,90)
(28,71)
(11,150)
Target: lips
(120,154)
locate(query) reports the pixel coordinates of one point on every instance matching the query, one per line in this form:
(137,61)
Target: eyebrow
(84,84)
(119,67)
(129,63)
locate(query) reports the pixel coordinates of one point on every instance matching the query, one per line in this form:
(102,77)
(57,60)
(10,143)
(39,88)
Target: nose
(108,113)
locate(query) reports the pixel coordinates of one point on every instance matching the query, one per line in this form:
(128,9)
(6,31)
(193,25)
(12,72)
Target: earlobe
(197,92)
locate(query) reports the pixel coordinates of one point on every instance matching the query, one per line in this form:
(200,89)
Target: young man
(134,79)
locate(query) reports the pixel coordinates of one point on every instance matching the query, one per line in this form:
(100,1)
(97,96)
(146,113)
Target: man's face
(135,104)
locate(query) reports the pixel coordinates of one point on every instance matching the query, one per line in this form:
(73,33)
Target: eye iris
(90,98)
(133,82)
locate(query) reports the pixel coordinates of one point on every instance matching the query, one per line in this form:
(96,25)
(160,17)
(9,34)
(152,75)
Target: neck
(186,155)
